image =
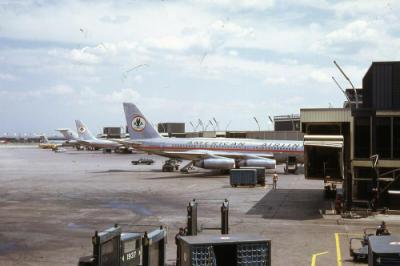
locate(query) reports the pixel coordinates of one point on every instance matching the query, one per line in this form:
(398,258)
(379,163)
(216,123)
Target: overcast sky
(183,60)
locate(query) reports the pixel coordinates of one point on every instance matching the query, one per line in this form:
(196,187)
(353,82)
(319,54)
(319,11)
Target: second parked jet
(86,138)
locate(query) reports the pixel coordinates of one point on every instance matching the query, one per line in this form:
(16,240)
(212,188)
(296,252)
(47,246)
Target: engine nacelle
(216,163)
(259,162)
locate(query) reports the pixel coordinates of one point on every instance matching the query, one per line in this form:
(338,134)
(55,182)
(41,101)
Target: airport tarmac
(51,204)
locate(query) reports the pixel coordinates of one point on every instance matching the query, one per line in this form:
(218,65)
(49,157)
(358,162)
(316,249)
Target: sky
(180,61)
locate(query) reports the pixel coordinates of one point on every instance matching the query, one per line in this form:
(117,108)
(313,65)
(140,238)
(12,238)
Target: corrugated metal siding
(275,135)
(367,89)
(396,86)
(325,115)
(382,86)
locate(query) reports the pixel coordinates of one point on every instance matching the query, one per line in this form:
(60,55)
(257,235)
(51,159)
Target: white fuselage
(101,143)
(281,150)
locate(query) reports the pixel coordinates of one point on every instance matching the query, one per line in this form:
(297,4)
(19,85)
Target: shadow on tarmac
(191,175)
(291,204)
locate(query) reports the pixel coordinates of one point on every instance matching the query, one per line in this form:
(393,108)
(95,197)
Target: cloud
(238,5)
(80,56)
(205,52)
(7,76)
(115,19)
(61,90)
(358,30)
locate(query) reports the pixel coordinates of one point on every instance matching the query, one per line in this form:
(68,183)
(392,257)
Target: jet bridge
(323,156)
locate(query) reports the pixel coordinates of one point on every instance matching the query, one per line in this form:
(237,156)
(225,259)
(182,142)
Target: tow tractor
(359,246)
(171,165)
(291,165)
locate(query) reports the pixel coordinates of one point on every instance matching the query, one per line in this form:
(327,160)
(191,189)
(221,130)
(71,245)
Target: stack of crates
(243,177)
(260,174)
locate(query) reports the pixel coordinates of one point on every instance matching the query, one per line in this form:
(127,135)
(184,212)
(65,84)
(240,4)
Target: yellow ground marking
(338,250)
(314,257)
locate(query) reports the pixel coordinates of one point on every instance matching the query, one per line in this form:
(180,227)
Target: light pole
(255,119)
(201,124)
(190,122)
(271,120)
(216,123)
(212,124)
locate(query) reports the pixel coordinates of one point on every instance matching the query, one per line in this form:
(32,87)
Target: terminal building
(287,122)
(359,144)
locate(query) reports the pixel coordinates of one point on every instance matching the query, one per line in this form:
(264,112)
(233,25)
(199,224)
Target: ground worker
(274,180)
(382,230)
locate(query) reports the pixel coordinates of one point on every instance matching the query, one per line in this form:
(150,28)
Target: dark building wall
(381,86)
(396,86)
(171,128)
(362,137)
(396,137)
(112,132)
(287,125)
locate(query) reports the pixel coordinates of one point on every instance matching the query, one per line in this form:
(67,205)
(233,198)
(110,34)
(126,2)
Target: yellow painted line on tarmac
(314,257)
(338,251)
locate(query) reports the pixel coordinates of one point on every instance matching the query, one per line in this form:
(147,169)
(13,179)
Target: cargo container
(131,249)
(260,174)
(383,250)
(154,247)
(225,250)
(243,177)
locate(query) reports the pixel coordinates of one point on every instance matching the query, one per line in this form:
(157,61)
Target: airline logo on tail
(82,129)
(138,123)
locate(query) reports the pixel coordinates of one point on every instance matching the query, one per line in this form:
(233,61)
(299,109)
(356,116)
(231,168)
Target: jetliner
(68,134)
(86,138)
(72,139)
(210,153)
(46,144)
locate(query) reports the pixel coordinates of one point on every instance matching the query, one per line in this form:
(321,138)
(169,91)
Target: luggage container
(383,250)
(106,248)
(225,250)
(260,174)
(131,249)
(243,177)
(154,247)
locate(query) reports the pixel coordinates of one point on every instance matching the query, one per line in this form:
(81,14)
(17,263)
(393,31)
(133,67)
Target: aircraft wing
(203,154)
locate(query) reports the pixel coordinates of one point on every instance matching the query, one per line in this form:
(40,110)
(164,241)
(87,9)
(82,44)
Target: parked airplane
(210,153)
(86,138)
(72,139)
(68,134)
(44,143)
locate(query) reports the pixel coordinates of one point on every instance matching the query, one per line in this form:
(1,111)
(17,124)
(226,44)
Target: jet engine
(216,163)
(259,162)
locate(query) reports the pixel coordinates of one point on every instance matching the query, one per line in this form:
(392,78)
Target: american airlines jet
(210,153)
(86,138)
(72,139)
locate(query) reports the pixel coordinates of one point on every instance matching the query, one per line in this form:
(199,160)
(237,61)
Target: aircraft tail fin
(138,126)
(83,132)
(68,133)
(43,139)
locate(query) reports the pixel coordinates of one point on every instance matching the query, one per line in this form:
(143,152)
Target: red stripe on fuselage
(214,149)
